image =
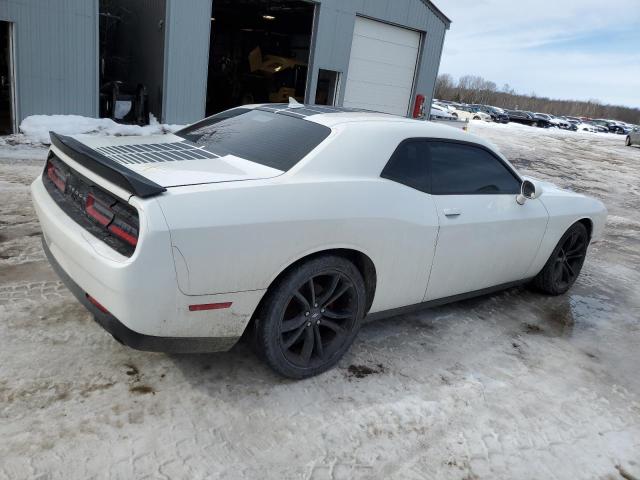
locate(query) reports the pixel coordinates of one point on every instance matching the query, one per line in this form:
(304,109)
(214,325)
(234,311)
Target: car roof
(323,114)
(334,116)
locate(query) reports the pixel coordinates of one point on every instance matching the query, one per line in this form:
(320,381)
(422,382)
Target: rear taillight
(112,220)
(57,176)
(124,231)
(118,219)
(98,211)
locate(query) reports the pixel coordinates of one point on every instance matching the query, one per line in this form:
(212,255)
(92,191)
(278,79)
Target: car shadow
(513,312)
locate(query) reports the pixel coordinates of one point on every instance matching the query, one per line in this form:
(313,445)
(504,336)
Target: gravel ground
(512,385)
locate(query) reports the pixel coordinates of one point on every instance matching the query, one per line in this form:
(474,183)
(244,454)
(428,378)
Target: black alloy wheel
(311,317)
(563,267)
(318,319)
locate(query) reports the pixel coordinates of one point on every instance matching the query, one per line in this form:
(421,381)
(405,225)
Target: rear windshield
(271,139)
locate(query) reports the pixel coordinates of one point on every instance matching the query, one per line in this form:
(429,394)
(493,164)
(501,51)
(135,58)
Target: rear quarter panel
(240,237)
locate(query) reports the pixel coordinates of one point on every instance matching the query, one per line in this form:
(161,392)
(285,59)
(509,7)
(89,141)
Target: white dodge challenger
(294,223)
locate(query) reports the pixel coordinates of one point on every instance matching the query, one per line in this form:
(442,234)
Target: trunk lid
(171,161)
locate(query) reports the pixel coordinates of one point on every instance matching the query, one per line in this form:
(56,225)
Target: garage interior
(131,59)
(6,75)
(258,52)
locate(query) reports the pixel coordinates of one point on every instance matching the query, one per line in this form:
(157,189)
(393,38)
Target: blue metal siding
(335,32)
(186,60)
(187,47)
(56,55)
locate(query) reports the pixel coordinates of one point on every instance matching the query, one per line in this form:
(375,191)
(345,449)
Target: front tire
(311,317)
(627,142)
(565,263)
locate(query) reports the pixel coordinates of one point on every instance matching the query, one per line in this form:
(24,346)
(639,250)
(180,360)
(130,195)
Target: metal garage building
(188,58)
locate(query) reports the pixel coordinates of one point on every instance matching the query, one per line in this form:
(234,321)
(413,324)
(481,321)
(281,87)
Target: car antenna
(293,103)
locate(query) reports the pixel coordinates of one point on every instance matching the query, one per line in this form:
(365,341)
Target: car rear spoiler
(111,170)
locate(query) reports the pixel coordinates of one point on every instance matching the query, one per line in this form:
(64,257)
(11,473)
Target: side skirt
(442,301)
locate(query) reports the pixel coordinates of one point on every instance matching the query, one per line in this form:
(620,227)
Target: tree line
(475,89)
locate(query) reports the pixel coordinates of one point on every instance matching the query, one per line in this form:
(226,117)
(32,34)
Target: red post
(417,109)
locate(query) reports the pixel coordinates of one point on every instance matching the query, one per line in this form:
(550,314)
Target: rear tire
(627,142)
(311,317)
(565,263)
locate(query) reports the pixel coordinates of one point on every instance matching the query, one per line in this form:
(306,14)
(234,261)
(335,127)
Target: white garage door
(382,67)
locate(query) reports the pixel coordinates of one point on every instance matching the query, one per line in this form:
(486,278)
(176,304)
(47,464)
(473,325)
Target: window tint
(409,165)
(459,169)
(275,140)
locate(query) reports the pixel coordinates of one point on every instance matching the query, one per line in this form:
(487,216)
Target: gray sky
(565,49)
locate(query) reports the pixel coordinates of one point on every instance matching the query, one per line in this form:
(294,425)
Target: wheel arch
(361,260)
(588,223)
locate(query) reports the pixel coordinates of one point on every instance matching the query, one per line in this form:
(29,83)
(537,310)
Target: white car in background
(471,113)
(294,223)
(586,127)
(438,112)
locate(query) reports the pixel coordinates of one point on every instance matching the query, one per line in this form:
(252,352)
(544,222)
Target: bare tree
(475,89)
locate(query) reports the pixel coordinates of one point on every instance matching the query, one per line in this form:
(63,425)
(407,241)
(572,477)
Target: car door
(485,237)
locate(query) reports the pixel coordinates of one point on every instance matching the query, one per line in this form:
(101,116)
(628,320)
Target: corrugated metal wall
(186,60)
(57,52)
(335,31)
(56,60)
(188,46)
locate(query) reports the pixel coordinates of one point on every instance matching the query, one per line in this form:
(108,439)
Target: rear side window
(459,169)
(449,168)
(409,165)
(271,139)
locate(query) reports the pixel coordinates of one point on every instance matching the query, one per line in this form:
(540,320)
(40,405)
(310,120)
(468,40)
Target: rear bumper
(147,309)
(130,338)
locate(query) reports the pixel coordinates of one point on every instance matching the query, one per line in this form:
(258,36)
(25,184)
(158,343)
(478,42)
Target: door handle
(452,212)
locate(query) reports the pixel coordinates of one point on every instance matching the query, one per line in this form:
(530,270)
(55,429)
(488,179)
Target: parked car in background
(549,118)
(584,127)
(497,114)
(467,112)
(439,112)
(519,116)
(633,137)
(541,121)
(563,123)
(390,215)
(610,125)
(527,118)
(627,127)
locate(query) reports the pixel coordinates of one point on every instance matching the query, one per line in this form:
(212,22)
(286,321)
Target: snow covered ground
(35,129)
(512,385)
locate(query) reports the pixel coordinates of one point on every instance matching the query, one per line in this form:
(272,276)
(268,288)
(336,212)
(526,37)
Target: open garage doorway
(258,52)
(131,59)
(6,80)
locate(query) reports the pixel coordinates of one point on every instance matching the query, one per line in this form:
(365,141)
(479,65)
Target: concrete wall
(56,60)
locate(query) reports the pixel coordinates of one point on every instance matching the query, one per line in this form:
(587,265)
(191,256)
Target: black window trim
(508,167)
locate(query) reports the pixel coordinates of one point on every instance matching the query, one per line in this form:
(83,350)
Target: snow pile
(36,128)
